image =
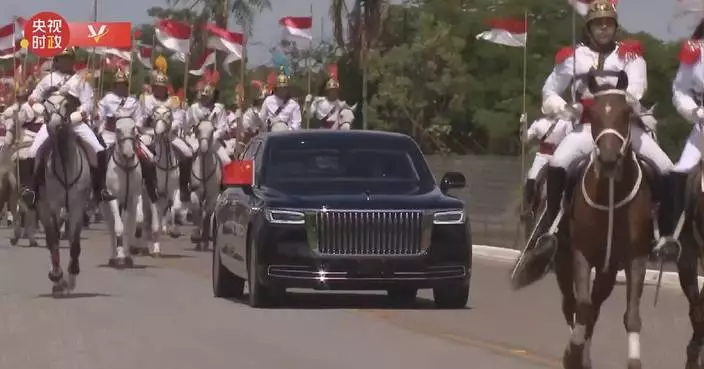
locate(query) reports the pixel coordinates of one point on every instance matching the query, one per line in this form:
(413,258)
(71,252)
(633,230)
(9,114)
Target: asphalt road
(162,315)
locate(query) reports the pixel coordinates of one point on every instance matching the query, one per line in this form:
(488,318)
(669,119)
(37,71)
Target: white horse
(344,117)
(124,182)
(17,143)
(67,185)
(164,211)
(206,178)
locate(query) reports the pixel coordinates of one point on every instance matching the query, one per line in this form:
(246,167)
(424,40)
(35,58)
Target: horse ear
(622,83)
(591,81)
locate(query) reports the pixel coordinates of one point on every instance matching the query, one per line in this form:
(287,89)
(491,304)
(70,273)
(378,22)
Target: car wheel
(225,283)
(454,296)
(402,295)
(260,295)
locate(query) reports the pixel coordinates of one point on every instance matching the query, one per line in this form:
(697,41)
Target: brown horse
(692,241)
(610,226)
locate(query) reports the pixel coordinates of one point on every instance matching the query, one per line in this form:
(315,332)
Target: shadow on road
(136,266)
(76,295)
(359,301)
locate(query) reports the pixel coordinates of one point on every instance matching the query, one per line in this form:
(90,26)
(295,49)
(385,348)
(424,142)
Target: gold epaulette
(174,102)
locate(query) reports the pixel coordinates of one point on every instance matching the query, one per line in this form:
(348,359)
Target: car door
(242,210)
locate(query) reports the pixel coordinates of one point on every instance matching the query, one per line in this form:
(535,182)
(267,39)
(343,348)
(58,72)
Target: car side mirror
(452,180)
(239,173)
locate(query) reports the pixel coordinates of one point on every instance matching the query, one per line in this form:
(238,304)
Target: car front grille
(364,232)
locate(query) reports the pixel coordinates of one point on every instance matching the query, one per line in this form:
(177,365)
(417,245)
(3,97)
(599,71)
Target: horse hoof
(56,277)
(71,283)
(14,240)
(135,250)
(129,263)
(33,244)
(634,364)
(112,262)
(59,288)
(174,234)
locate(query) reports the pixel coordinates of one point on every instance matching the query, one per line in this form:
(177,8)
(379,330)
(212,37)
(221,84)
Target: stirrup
(664,247)
(29,197)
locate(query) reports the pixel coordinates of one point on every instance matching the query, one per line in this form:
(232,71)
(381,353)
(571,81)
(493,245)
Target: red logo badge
(46,34)
(96,34)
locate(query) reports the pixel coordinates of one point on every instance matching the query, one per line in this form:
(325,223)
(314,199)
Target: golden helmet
(282,79)
(121,76)
(69,51)
(160,79)
(331,84)
(602,9)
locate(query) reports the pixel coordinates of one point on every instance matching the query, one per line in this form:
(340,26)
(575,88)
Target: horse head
(204,133)
(126,137)
(162,118)
(610,115)
(57,109)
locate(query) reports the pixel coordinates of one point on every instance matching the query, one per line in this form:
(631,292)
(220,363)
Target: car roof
(365,135)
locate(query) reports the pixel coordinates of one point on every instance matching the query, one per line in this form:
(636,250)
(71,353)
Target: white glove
(698,114)
(571,112)
(76,117)
(309,98)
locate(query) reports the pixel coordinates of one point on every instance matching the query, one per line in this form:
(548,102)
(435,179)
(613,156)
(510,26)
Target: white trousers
(192,142)
(538,163)
(579,143)
(83,131)
(691,154)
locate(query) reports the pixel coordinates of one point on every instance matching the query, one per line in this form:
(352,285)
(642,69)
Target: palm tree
(220,10)
(363,24)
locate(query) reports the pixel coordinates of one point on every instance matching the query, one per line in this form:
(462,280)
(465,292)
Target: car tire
(454,296)
(260,296)
(225,283)
(402,295)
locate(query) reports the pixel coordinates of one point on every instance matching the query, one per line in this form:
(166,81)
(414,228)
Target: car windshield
(336,168)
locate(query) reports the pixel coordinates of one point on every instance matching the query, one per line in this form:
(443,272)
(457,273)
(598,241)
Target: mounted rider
(206,108)
(329,111)
(158,96)
(687,95)
(279,109)
(600,52)
(547,133)
(118,104)
(251,123)
(75,86)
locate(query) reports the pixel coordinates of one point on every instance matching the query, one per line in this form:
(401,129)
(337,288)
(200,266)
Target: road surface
(162,315)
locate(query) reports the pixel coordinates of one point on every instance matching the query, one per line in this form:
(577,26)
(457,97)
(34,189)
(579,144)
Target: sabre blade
(659,283)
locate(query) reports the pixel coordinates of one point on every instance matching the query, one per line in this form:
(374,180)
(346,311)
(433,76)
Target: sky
(652,16)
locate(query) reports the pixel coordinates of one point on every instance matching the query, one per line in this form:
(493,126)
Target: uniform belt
(546,148)
(32,126)
(586,116)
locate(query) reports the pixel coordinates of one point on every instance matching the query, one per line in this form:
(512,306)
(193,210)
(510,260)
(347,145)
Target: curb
(670,279)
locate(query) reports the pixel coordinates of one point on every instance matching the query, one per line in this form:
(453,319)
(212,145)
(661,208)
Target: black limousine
(340,210)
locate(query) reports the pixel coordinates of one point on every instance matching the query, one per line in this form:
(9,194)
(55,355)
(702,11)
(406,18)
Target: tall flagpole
(129,76)
(309,64)
(524,115)
(243,62)
(185,71)
(365,116)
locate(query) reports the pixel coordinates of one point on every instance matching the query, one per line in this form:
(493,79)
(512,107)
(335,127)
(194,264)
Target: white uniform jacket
(275,110)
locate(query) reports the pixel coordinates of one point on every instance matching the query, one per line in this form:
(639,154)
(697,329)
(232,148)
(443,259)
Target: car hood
(434,199)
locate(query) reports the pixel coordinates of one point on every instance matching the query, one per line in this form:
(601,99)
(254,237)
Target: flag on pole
(11,33)
(507,32)
(12,52)
(205,61)
(174,35)
(224,40)
(582,6)
(144,55)
(297,26)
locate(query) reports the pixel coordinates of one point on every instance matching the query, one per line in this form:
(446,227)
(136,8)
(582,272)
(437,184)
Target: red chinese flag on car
(238,172)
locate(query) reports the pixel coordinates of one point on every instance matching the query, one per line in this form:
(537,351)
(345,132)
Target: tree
(421,87)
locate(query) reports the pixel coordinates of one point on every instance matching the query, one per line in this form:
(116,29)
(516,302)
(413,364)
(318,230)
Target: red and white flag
(582,6)
(297,26)
(174,35)
(228,60)
(12,52)
(224,40)
(144,55)
(11,33)
(111,51)
(508,32)
(205,61)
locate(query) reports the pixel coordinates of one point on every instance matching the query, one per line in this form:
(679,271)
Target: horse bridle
(625,140)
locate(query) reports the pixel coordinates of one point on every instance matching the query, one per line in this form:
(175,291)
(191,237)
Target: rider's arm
(296,119)
(222,129)
(264,112)
(683,86)
(536,130)
(37,94)
(557,82)
(637,73)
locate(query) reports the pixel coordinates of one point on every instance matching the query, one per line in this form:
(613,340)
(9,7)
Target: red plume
(170,89)
(211,77)
(180,94)
(332,71)
(271,79)
(258,84)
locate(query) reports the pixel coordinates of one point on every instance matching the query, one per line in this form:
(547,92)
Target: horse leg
(635,280)
(573,357)
(110,223)
(129,217)
(155,225)
(197,213)
(56,274)
(16,226)
(75,221)
(122,255)
(565,281)
(174,211)
(604,283)
(687,269)
(30,217)
(205,230)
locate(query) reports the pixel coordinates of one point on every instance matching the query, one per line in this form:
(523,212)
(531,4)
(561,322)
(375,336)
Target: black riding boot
(672,206)
(185,166)
(528,195)
(149,176)
(30,193)
(26,169)
(98,176)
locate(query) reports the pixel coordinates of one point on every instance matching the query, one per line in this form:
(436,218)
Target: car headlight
(285,217)
(449,217)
